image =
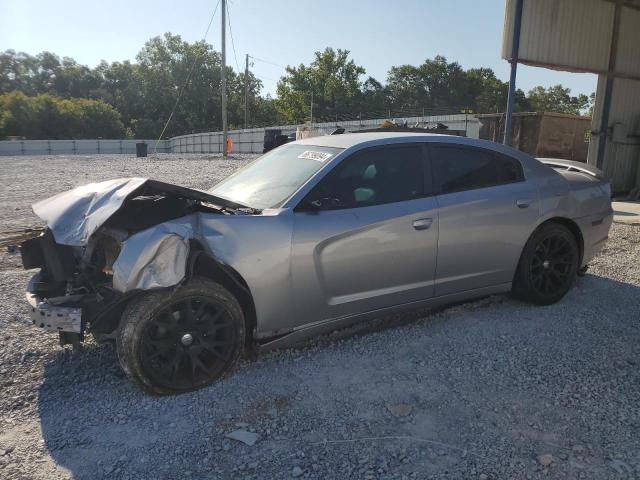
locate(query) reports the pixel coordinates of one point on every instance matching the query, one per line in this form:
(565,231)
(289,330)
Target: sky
(379,34)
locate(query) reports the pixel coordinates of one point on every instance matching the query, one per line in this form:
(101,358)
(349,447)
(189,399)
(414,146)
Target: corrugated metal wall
(628,55)
(575,35)
(621,157)
(566,34)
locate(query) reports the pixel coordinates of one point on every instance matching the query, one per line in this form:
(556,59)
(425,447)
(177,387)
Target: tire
(548,265)
(176,341)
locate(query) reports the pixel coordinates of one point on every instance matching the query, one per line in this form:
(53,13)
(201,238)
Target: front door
(365,237)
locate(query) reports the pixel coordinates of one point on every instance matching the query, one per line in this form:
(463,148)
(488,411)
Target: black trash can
(141,149)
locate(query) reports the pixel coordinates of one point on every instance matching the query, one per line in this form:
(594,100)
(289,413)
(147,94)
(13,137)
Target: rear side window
(371,177)
(458,168)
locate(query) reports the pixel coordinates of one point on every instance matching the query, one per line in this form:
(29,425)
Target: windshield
(275,176)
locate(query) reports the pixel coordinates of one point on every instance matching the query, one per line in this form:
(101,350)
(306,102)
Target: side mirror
(318,204)
(311,206)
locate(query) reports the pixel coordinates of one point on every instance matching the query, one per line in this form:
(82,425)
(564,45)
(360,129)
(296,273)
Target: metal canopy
(593,36)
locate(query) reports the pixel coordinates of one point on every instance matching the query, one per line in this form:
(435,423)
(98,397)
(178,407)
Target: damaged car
(310,237)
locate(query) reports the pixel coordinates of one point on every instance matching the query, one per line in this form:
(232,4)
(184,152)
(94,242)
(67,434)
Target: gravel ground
(492,389)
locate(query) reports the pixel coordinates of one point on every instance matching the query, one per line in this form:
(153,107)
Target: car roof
(347,140)
(368,139)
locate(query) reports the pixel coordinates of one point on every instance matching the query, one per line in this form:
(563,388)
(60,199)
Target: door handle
(422,223)
(524,203)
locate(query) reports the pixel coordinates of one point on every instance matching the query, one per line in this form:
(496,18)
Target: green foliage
(144,93)
(435,83)
(46,116)
(45,96)
(557,99)
(334,81)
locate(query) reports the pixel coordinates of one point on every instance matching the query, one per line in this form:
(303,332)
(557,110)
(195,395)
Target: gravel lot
(492,389)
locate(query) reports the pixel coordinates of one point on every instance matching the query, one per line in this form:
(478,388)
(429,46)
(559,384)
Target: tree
(46,73)
(164,65)
(144,93)
(557,99)
(375,98)
(490,93)
(332,78)
(17,116)
(264,112)
(46,116)
(434,84)
(17,71)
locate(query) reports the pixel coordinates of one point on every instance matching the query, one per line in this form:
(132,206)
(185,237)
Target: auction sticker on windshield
(318,156)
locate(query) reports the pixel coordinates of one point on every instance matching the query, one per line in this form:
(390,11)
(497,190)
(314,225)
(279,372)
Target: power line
(184,85)
(270,63)
(265,78)
(232,42)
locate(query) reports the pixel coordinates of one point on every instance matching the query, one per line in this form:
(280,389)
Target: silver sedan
(310,237)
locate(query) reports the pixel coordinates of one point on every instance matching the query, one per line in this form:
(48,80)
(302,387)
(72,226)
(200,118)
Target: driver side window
(370,177)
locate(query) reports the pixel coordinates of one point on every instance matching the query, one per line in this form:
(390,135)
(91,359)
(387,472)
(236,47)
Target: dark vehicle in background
(273,138)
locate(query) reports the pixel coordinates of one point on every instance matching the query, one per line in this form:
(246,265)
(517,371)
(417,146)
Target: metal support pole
(311,121)
(466,121)
(515,47)
(246,89)
(223,79)
(608,89)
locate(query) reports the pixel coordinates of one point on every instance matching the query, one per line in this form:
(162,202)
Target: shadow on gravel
(99,425)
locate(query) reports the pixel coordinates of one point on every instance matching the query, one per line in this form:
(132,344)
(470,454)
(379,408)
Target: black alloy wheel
(188,343)
(552,265)
(177,341)
(548,265)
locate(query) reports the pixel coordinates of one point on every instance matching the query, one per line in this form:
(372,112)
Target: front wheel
(548,265)
(176,341)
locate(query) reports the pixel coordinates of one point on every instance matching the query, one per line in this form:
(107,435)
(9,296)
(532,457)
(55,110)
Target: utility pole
(223,79)
(311,122)
(515,47)
(466,112)
(246,90)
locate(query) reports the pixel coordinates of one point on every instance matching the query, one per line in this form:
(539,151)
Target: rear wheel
(548,265)
(176,341)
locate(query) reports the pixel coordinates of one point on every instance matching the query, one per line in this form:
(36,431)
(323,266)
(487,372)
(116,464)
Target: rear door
(487,210)
(365,237)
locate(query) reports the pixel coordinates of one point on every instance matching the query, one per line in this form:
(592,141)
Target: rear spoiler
(573,166)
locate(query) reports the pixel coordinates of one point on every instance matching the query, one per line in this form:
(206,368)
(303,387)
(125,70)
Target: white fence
(75,147)
(250,140)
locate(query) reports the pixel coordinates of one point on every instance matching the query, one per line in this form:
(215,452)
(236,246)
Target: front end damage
(105,243)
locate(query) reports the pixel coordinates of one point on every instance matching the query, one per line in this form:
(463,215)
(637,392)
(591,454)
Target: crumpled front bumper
(52,317)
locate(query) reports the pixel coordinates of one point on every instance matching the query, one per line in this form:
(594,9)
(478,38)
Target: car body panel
(360,259)
(74,216)
(482,233)
(257,247)
(155,257)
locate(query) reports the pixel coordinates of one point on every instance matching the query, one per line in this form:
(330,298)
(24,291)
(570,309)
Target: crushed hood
(75,215)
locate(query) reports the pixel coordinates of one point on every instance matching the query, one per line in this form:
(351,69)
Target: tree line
(48,97)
